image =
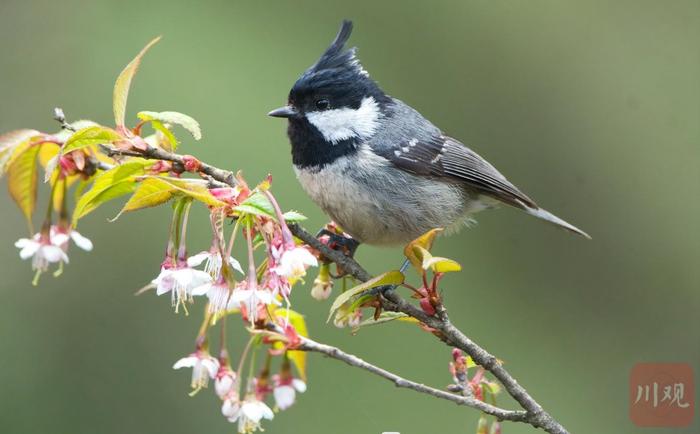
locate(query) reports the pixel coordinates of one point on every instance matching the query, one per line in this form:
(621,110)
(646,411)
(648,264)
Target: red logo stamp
(662,395)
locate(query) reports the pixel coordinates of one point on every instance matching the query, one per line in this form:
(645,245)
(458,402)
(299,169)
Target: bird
(382,172)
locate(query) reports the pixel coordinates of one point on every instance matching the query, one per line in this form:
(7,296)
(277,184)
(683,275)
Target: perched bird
(377,167)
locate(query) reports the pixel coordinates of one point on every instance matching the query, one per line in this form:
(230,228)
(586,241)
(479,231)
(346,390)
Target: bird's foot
(338,240)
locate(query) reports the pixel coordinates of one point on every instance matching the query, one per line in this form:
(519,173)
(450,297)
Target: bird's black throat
(311,150)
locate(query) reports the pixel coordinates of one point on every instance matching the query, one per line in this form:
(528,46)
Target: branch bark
(533,413)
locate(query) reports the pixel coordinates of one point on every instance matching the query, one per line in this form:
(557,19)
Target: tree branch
(534,414)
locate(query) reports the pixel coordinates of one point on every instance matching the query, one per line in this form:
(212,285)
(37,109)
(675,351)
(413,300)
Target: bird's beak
(283,112)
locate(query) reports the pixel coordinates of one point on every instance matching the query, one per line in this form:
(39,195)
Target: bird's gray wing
(444,157)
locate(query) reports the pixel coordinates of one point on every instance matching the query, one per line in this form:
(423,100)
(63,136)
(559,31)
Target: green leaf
(10,143)
(150,192)
(111,184)
(167,134)
(174,118)
(192,188)
(22,181)
(386,317)
(293,217)
(257,204)
(297,320)
(123,83)
(388,278)
(441,265)
(90,136)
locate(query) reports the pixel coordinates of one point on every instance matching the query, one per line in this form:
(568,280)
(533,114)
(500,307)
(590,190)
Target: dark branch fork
(532,412)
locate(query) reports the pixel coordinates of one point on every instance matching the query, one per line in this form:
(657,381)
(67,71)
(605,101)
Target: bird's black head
(333,106)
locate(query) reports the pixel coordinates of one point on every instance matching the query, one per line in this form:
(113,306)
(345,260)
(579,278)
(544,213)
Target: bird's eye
(322,104)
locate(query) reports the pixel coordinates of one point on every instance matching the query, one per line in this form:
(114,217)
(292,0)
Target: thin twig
(534,414)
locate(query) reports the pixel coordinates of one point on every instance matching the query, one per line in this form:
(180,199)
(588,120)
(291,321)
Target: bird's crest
(335,57)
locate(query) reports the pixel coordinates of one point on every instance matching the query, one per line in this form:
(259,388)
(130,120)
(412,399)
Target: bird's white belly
(379,204)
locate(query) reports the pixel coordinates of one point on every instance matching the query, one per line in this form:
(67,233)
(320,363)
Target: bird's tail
(551,218)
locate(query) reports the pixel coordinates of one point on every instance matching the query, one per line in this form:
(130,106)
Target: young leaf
(388,278)
(257,204)
(425,241)
(11,142)
(111,184)
(175,118)
(22,180)
(296,319)
(191,188)
(123,83)
(165,136)
(294,217)
(386,317)
(90,136)
(150,192)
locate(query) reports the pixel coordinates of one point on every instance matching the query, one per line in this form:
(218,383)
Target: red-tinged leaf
(192,188)
(90,136)
(11,142)
(22,181)
(123,83)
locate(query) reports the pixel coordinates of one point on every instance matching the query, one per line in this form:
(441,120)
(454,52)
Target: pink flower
(203,365)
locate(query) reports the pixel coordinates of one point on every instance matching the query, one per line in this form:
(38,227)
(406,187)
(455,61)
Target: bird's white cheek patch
(344,123)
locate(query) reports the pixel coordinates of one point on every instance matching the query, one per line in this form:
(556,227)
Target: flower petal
(235,264)
(29,248)
(284,396)
(186,362)
(299,385)
(81,241)
(53,253)
(197,259)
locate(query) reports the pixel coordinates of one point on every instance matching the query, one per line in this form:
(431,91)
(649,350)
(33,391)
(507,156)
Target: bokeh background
(592,107)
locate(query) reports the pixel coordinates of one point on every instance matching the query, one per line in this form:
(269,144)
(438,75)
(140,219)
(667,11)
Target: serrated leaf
(123,83)
(90,136)
(425,241)
(150,192)
(185,121)
(297,320)
(22,181)
(111,184)
(257,204)
(294,217)
(47,152)
(194,189)
(388,278)
(65,133)
(10,143)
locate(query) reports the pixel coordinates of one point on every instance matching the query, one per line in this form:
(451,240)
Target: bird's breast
(377,203)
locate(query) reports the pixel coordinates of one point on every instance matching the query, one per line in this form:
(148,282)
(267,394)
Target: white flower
(294,262)
(203,365)
(219,295)
(231,409)
(285,393)
(252,411)
(42,252)
(181,283)
(213,262)
(225,383)
(60,238)
(250,299)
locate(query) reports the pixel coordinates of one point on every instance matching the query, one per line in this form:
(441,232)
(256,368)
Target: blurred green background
(591,107)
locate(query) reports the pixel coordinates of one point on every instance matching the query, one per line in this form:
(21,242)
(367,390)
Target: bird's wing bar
(444,156)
